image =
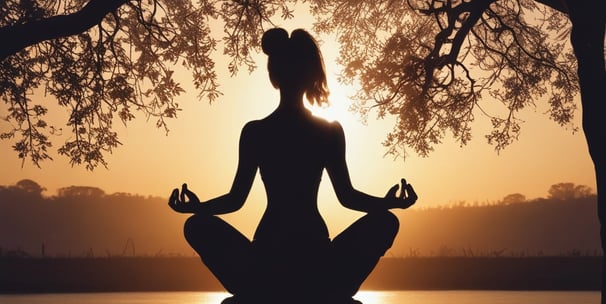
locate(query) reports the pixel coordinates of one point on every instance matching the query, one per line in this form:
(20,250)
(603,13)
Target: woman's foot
(344,301)
(230,300)
(238,300)
(233,300)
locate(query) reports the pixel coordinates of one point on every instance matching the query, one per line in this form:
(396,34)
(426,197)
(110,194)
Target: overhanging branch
(20,36)
(558,5)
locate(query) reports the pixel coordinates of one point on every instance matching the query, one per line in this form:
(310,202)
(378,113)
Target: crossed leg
(351,257)
(357,250)
(223,249)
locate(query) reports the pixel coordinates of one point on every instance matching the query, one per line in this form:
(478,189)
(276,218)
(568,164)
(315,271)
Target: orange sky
(202,144)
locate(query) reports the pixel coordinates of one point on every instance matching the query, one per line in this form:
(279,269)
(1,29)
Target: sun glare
(338,108)
(369,297)
(330,112)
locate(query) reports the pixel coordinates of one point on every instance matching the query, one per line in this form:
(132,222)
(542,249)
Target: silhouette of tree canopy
(109,59)
(30,186)
(25,190)
(568,191)
(514,198)
(80,191)
(436,65)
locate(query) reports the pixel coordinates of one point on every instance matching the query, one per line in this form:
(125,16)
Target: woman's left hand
(186,202)
(407,196)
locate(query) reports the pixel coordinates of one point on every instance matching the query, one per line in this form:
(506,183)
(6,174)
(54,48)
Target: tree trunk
(587,39)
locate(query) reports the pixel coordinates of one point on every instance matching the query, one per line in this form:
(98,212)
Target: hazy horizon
(86,221)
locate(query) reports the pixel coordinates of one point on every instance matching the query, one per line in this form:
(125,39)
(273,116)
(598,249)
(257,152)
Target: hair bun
(274,41)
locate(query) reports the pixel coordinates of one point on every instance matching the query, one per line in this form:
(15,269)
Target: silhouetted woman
(291,258)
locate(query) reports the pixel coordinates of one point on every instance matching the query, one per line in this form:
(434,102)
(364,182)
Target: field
(33,275)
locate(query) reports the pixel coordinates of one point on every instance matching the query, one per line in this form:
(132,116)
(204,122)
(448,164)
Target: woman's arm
(188,202)
(351,198)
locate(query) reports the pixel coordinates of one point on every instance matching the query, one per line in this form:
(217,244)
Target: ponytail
(296,62)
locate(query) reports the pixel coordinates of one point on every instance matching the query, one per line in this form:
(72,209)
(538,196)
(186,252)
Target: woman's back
(292,150)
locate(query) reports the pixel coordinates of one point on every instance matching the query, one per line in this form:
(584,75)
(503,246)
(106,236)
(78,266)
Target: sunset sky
(202,144)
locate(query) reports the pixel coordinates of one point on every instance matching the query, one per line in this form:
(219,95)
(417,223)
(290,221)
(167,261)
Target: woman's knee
(385,221)
(374,230)
(385,226)
(197,224)
(393,222)
(212,230)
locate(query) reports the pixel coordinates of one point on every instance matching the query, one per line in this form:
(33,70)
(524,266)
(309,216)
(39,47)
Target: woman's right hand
(185,202)
(407,196)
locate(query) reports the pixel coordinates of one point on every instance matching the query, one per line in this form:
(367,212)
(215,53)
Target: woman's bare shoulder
(253,125)
(334,128)
(331,131)
(331,125)
(251,129)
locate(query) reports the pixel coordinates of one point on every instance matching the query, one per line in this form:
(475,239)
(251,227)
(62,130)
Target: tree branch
(17,37)
(558,5)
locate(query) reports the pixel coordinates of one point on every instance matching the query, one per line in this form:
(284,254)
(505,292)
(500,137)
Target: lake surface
(367,297)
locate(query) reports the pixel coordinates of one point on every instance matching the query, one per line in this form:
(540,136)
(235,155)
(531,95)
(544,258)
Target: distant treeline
(83,221)
(533,228)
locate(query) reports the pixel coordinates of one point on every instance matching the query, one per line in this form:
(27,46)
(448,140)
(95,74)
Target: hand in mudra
(407,196)
(186,202)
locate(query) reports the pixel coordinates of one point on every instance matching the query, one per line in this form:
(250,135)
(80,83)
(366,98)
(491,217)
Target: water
(367,297)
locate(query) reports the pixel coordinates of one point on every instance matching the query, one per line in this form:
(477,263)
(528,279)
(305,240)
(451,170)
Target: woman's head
(295,63)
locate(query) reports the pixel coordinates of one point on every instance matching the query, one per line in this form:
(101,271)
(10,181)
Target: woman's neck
(291,101)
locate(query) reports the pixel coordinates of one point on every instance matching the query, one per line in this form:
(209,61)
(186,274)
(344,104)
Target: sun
(338,107)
